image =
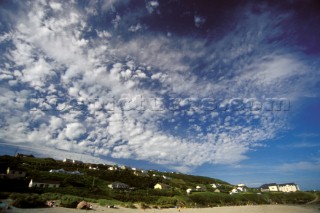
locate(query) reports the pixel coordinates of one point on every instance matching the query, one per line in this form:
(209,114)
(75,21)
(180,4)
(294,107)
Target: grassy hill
(92,185)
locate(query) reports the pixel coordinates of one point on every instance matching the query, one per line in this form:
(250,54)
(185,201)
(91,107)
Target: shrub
(70,201)
(167,202)
(51,196)
(27,200)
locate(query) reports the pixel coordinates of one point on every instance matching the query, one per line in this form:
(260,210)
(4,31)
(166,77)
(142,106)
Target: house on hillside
(113,168)
(270,187)
(118,185)
(15,174)
(162,186)
(234,191)
(44,184)
(140,174)
(288,187)
(67,160)
(166,177)
(200,189)
(20,155)
(189,191)
(93,167)
(62,171)
(125,168)
(242,187)
(213,185)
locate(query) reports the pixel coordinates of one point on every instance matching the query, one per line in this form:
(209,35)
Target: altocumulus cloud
(58,52)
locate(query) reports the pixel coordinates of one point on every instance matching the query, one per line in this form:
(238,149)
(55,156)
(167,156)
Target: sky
(225,89)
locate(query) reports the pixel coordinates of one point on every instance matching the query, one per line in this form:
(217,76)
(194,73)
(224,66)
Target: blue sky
(222,89)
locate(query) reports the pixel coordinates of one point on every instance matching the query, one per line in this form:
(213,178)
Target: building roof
(284,184)
(266,186)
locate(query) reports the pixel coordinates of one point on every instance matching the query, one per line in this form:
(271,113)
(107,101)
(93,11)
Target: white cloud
(152,5)
(75,130)
(199,21)
(62,62)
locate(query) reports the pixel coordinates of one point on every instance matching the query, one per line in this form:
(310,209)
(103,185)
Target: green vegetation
(92,186)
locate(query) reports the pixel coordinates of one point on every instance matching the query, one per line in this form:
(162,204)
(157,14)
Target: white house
(44,184)
(233,191)
(15,174)
(118,185)
(166,178)
(67,160)
(241,187)
(270,187)
(161,186)
(285,187)
(213,185)
(93,168)
(288,187)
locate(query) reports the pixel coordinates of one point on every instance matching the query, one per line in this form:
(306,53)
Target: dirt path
(314,200)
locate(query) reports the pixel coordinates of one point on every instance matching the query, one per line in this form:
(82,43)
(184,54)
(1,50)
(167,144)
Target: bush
(143,206)
(27,200)
(167,202)
(70,201)
(4,195)
(129,205)
(51,196)
(291,198)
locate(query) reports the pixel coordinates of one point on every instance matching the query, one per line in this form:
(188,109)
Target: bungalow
(200,188)
(77,162)
(270,187)
(189,191)
(44,183)
(15,174)
(241,187)
(288,187)
(125,168)
(166,178)
(67,160)
(93,168)
(234,191)
(20,155)
(57,171)
(113,168)
(140,174)
(118,185)
(161,186)
(214,185)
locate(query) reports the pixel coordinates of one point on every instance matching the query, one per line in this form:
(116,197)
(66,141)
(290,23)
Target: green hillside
(92,185)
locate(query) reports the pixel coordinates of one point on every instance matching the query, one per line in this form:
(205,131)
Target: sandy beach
(229,209)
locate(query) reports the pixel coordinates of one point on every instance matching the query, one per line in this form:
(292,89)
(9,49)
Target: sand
(229,209)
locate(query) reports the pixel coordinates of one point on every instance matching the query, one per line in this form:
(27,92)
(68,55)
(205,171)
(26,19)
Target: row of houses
(274,187)
(119,185)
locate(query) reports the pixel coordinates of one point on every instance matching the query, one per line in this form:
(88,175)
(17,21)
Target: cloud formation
(70,85)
